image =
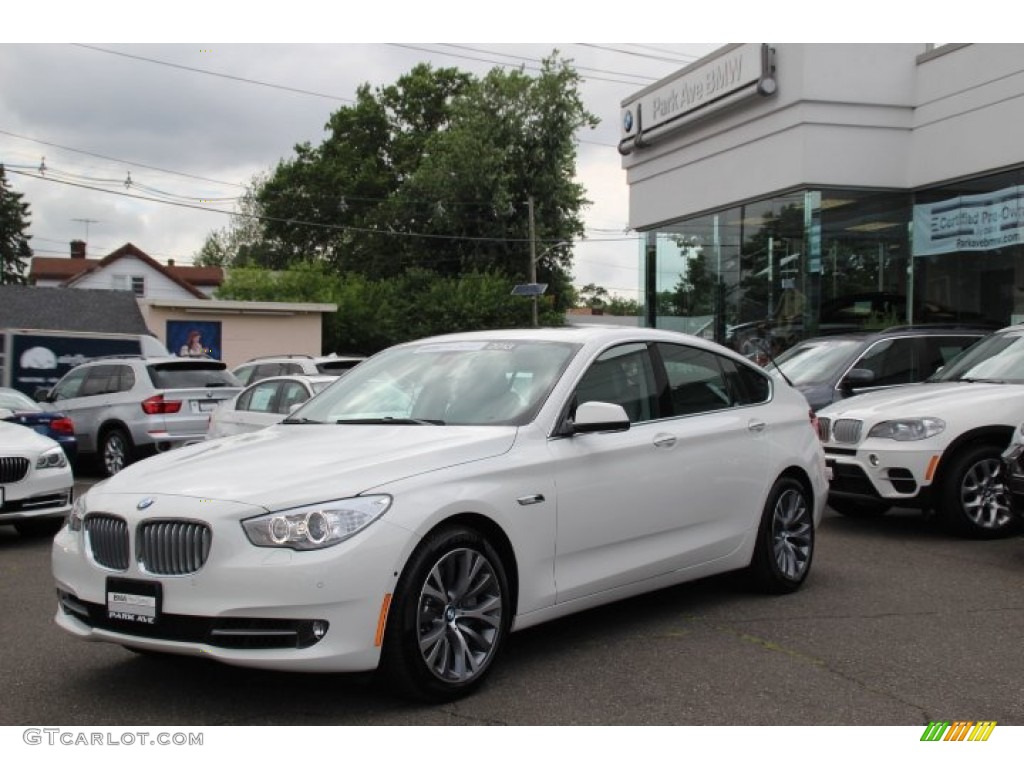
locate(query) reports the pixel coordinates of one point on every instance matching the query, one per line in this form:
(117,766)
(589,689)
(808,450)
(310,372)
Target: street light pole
(533,262)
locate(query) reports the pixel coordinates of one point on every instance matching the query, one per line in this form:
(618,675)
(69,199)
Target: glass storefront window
(761,276)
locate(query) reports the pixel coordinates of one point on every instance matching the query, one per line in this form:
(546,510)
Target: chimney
(78,249)
(170,262)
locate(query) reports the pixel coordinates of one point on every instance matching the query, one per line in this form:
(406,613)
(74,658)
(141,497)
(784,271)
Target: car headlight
(908,429)
(316,526)
(52,459)
(76,514)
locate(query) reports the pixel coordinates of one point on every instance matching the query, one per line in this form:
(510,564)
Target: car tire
(46,526)
(862,509)
(785,540)
(973,500)
(450,617)
(116,451)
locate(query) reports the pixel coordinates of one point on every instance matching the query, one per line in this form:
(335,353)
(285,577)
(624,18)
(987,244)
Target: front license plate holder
(135,602)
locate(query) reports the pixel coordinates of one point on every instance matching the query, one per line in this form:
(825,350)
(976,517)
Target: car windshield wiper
(393,420)
(983,381)
(301,420)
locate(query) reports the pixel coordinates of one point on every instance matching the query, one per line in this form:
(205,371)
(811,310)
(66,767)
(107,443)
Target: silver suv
(260,368)
(125,408)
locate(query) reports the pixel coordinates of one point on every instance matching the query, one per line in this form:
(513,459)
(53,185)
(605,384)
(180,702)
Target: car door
(254,409)
(681,487)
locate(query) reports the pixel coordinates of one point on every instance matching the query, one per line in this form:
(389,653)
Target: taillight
(156,404)
(64,426)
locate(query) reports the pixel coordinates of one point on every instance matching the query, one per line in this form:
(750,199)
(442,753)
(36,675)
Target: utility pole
(533,259)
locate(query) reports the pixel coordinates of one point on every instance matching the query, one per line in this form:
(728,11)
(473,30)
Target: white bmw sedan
(36,483)
(445,493)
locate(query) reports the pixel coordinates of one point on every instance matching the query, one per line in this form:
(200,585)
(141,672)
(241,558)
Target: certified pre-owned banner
(969,223)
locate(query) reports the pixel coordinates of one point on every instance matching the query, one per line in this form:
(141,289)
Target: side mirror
(41,395)
(857,377)
(600,417)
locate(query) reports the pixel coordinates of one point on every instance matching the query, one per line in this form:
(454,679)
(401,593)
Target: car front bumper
(883,470)
(248,606)
(40,494)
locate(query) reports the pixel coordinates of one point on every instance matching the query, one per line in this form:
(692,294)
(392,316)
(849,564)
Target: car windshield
(813,362)
(999,358)
(447,382)
(13,400)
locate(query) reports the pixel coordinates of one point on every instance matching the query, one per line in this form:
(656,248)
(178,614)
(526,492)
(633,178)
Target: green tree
(14,222)
(239,243)
(592,296)
(374,313)
(622,307)
(434,173)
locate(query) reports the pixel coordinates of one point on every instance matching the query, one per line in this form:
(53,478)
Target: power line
(215,74)
(294,222)
(506,64)
(634,53)
(119,160)
(577,67)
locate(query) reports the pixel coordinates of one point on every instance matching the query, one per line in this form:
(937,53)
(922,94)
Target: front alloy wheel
(975,501)
(460,616)
(450,616)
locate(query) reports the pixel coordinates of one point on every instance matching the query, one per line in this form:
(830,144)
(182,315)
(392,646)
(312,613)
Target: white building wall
(833,120)
(970,108)
(876,116)
(158,285)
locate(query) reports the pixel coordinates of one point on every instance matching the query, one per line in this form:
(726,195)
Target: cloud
(195,122)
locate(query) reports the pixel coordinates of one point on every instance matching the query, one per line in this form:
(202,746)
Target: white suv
(127,407)
(935,445)
(259,368)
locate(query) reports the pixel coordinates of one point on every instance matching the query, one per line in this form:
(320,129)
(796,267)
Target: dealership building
(803,188)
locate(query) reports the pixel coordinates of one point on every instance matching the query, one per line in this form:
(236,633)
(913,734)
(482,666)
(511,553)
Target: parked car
(845,314)
(21,409)
(1013,474)
(125,408)
(444,493)
(264,403)
(829,368)
(36,483)
(258,368)
(935,445)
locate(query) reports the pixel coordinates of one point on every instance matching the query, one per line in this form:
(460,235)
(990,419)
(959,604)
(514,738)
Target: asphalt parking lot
(898,624)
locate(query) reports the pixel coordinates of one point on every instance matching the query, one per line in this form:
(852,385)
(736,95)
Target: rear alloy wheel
(450,618)
(115,451)
(785,539)
(974,501)
(850,508)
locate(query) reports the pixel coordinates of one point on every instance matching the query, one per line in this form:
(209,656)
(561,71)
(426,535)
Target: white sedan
(36,483)
(445,493)
(264,403)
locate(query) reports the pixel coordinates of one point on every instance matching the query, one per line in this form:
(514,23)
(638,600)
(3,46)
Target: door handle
(756,426)
(664,441)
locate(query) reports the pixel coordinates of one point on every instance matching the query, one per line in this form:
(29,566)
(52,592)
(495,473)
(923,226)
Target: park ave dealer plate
(136,602)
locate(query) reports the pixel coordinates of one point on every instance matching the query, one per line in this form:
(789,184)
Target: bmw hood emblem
(146,503)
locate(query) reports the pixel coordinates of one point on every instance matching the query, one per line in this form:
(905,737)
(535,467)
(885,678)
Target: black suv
(829,368)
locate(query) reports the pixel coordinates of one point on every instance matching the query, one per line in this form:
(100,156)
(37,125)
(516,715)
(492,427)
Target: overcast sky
(193,122)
